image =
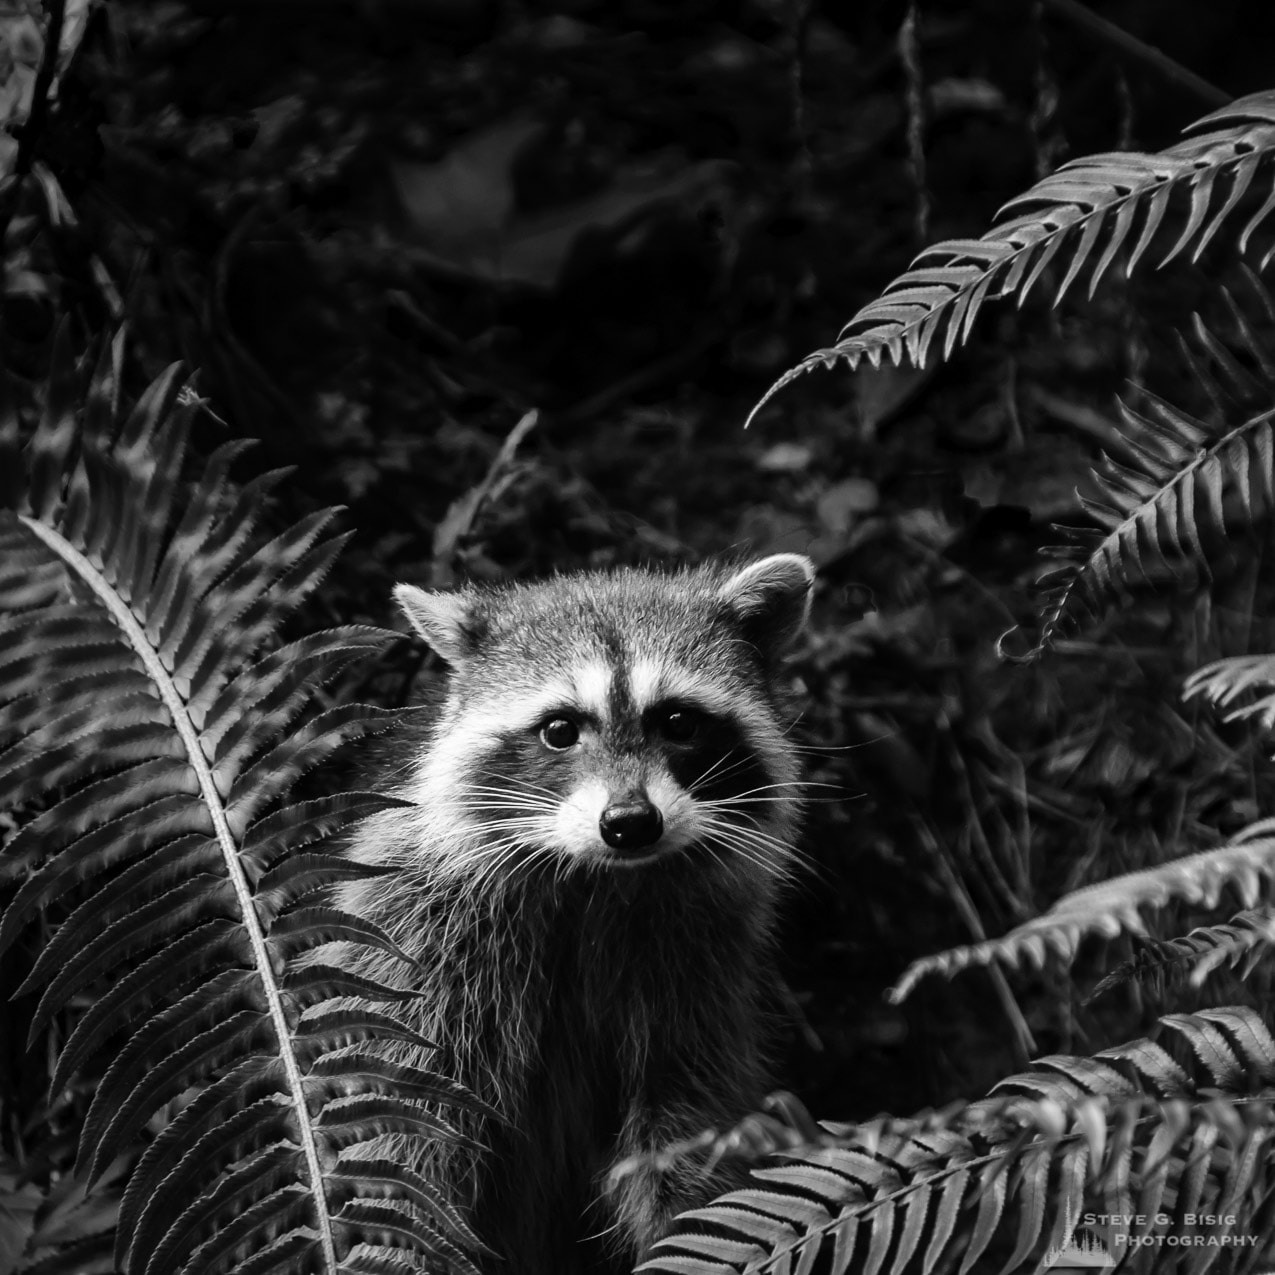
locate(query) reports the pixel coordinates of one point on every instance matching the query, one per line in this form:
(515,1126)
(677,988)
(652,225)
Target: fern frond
(1129,1132)
(1092,206)
(1227,684)
(1161,513)
(1114,907)
(141,678)
(1245,939)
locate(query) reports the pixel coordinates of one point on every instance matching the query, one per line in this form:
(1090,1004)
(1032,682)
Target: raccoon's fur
(603,813)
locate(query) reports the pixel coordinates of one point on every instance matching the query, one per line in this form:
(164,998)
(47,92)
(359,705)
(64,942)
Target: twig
(1120,39)
(910,57)
(797,16)
(1024,1042)
(460,518)
(1047,141)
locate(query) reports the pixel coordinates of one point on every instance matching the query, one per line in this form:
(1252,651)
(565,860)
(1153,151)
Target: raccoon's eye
(559,733)
(678,725)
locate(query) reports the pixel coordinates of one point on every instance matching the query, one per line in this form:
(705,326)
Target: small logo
(1085,1252)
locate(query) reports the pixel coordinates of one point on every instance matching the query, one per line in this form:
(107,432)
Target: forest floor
(383,233)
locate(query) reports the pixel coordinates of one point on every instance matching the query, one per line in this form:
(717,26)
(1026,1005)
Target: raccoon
(603,813)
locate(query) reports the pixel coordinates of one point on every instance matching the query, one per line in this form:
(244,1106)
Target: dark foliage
(385,231)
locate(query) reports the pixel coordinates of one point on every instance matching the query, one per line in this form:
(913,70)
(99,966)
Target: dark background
(382,232)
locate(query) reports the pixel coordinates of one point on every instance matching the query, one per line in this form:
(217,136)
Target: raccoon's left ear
(445,620)
(772,597)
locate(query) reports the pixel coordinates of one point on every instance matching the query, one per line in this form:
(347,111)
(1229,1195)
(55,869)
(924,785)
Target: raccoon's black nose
(631,825)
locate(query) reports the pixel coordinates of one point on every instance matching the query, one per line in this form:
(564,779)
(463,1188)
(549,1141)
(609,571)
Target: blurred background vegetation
(384,231)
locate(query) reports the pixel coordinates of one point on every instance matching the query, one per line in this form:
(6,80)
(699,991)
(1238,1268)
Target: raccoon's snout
(631,825)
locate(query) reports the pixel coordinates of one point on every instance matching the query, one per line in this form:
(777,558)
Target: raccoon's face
(617,720)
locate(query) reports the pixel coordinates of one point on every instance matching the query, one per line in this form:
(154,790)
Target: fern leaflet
(1244,940)
(1227,684)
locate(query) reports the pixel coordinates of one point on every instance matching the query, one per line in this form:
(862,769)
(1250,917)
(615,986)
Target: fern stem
(123,616)
(1119,38)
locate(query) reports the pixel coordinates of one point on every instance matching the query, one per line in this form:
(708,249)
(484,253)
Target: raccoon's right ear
(771,597)
(445,620)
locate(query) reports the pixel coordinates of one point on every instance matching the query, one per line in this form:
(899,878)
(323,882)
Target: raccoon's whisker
(720,768)
(704,776)
(496,864)
(481,802)
(510,787)
(725,805)
(508,824)
(514,781)
(747,838)
(755,794)
(798,784)
(724,834)
(728,803)
(511,812)
(512,798)
(729,848)
(823,750)
(753,833)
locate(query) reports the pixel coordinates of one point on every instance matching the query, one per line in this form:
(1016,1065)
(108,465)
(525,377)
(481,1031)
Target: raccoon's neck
(625,966)
(616,958)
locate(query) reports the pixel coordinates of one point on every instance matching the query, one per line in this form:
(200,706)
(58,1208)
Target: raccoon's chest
(593,987)
(565,1062)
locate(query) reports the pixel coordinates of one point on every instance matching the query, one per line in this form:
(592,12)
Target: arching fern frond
(1114,907)
(143,688)
(1242,941)
(1161,512)
(1003,1183)
(1228,684)
(1092,206)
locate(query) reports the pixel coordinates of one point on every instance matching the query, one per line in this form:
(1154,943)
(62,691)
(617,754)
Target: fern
(1114,907)
(1128,1132)
(141,678)
(1159,511)
(1093,205)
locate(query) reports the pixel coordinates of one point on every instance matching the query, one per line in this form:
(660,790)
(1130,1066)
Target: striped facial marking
(654,682)
(539,769)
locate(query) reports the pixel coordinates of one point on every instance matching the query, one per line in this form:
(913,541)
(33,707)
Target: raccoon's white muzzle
(626,829)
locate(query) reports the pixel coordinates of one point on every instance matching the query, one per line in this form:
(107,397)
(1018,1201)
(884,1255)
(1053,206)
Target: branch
(1120,39)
